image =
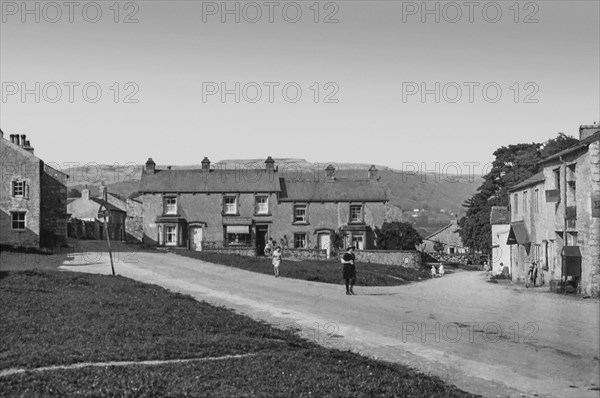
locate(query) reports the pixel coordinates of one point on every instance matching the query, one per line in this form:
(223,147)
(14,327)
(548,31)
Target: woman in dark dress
(349,273)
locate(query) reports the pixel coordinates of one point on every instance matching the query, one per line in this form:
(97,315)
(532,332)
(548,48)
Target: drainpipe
(564,195)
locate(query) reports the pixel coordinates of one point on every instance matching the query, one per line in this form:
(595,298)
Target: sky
(391,83)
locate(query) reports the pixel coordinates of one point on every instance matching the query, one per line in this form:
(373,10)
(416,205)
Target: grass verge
(61,318)
(330,271)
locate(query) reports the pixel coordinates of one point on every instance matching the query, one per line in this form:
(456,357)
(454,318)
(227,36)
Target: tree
(512,165)
(74,193)
(438,246)
(397,236)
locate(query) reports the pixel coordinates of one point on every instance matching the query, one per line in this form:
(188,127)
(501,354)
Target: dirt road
(488,339)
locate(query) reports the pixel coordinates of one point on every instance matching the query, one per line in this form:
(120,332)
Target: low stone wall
(304,254)
(236,251)
(404,258)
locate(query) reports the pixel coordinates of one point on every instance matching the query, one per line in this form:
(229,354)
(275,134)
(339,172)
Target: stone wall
(305,254)
(134,224)
(53,208)
(404,258)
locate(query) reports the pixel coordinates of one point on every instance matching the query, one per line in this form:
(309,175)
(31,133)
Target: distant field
(65,318)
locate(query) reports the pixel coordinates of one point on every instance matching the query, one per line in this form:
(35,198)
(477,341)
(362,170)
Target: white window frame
(170,208)
(170,234)
(300,237)
(262,208)
(18,186)
(229,208)
(304,218)
(360,212)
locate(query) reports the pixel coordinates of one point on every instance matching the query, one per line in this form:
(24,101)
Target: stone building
(85,209)
(448,236)
(500,222)
(33,197)
(246,206)
(555,216)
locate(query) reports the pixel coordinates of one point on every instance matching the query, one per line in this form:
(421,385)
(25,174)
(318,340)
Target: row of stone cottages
(554,220)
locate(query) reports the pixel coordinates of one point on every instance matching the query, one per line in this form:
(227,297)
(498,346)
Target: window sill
(300,223)
(230,214)
(263,215)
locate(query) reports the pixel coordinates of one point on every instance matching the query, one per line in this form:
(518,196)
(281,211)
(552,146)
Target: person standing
(349,269)
(276,261)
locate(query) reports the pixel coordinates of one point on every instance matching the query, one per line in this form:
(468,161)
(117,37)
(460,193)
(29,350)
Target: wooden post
(112,267)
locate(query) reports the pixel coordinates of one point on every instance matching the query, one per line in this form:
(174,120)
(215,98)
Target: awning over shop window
(518,234)
(238,229)
(571,251)
(237,221)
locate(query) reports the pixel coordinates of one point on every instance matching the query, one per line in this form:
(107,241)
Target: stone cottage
(555,216)
(84,217)
(33,197)
(242,208)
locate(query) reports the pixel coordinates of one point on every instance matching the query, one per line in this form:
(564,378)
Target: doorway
(196,238)
(262,232)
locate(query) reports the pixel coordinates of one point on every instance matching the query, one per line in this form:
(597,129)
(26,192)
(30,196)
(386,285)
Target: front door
(324,241)
(261,239)
(196,239)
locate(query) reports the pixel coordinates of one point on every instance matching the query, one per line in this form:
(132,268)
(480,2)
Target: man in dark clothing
(349,269)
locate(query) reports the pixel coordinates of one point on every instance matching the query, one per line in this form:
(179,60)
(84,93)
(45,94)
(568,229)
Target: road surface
(495,340)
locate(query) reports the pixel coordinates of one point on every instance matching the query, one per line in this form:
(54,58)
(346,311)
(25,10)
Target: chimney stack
(205,165)
(330,170)
(587,130)
(12,138)
(28,147)
(85,194)
(270,164)
(150,166)
(103,193)
(373,173)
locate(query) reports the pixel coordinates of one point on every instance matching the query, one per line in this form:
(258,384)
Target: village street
(496,340)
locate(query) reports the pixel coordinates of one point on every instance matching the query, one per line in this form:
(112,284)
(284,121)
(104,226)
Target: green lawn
(330,271)
(61,318)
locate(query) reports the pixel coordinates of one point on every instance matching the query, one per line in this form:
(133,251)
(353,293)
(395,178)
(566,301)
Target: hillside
(438,197)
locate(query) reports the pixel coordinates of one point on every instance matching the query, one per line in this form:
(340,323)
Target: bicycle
(531,275)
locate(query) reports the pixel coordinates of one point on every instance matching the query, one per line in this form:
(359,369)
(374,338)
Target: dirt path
(488,339)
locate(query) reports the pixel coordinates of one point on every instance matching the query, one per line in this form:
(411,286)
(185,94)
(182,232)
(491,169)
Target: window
(516,203)
(170,235)
(18,189)
(262,205)
(300,241)
(230,205)
(358,242)
(300,214)
(525,201)
(536,200)
(355,213)
(557,179)
(171,205)
(18,220)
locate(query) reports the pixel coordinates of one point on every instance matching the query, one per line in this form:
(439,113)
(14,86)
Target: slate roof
(106,204)
(339,190)
(499,215)
(533,180)
(216,181)
(582,144)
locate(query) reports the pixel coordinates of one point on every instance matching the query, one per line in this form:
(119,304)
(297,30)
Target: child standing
(276,260)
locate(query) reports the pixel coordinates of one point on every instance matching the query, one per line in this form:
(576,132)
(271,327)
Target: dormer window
(171,205)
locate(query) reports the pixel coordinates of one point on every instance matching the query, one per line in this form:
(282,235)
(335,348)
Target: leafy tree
(337,241)
(438,246)
(397,236)
(512,165)
(74,193)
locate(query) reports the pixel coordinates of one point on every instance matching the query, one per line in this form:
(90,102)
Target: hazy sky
(503,72)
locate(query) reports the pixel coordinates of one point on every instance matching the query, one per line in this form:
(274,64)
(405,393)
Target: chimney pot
(330,170)
(23,136)
(586,131)
(103,193)
(17,140)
